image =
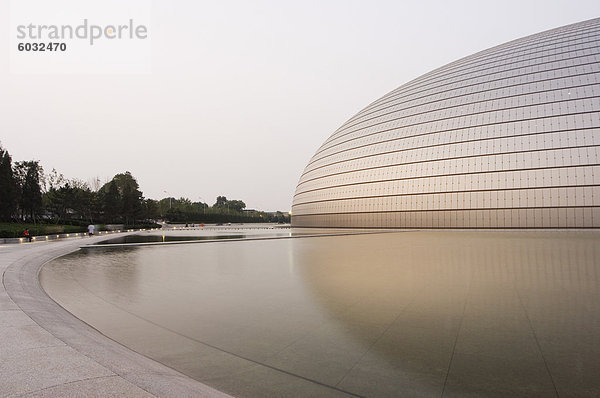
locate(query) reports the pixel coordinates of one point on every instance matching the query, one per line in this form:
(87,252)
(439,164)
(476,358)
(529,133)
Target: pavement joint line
(462,318)
(65,384)
(537,342)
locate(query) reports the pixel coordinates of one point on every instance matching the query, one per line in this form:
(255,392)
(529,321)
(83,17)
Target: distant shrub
(15,230)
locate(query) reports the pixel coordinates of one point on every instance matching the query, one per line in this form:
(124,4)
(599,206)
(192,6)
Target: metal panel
(514,128)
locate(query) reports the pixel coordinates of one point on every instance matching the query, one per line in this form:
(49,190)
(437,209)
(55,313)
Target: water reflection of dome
(507,137)
(417,301)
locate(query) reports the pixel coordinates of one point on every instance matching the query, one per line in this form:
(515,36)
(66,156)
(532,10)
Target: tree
(72,200)
(111,202)
(55,180)
(164,205)
(54,203)
(236,205)
(8,186)
(132,203)
(122,198)
(80,200)
(221,201)
(232,205)
(200,207)
(124,179)
(29,177)
(151,209)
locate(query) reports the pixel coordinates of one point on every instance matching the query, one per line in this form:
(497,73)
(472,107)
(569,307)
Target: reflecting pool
(419,313)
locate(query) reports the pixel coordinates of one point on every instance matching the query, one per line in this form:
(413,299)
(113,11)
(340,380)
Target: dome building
(505,138)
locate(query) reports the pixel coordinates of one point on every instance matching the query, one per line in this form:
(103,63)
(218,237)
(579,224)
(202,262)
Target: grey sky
(242,93)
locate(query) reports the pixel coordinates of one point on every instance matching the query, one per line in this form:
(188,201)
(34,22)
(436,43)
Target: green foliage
(8,187)
(26,193)
(144,225)
(216,215)
(235,205)
(111,201)
(150,209)
(223,211)
(15,230)
(73,200)
(122,200)
(29,176)
(209,218)
(132,200)
(221,201)
(123,180)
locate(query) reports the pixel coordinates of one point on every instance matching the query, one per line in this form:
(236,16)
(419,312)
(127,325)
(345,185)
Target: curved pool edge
(47,349)
(100,245)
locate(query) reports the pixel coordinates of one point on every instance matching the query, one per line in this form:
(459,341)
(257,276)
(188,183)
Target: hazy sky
(242,93)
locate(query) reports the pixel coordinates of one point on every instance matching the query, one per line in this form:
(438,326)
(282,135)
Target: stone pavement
(45,351)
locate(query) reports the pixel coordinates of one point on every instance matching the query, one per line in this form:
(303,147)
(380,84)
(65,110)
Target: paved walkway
(45,351)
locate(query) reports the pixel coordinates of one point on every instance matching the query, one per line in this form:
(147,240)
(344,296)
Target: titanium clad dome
(505,138)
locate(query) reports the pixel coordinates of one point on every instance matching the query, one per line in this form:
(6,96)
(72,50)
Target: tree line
(28,194)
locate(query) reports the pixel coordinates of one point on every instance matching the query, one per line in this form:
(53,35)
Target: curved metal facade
(506,138)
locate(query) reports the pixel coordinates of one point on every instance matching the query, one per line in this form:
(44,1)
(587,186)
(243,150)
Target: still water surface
(395,314)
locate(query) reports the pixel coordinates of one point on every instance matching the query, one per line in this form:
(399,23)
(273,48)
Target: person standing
(91,229)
